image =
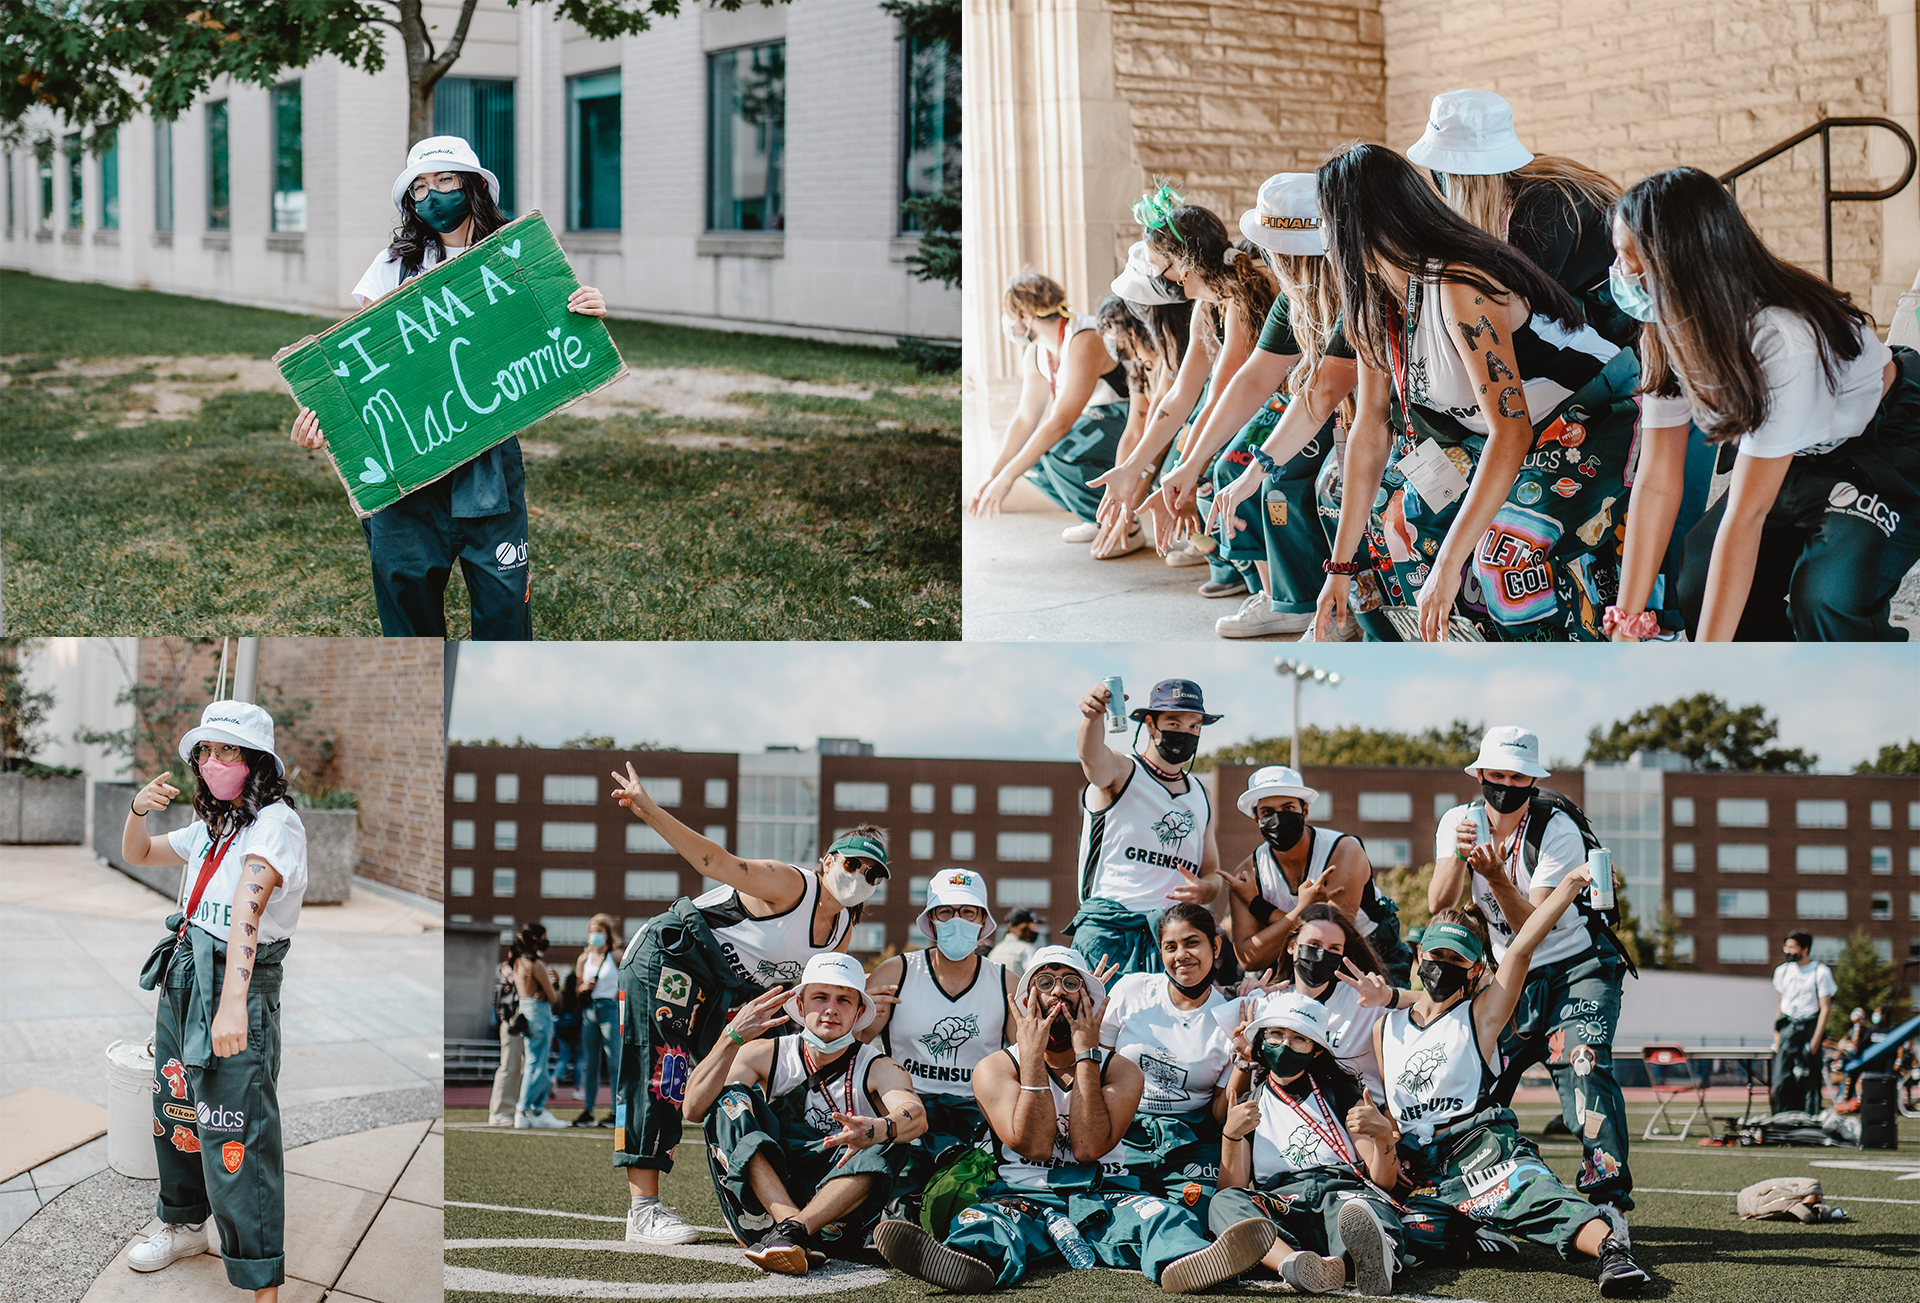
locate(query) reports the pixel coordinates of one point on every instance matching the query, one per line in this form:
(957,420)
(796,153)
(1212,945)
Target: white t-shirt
(383,277)
(1804,416)
(276,836)
(605,980)
(1011,953)
(1350,1034)
(1561,852)
(1184,1054)
(1801,986)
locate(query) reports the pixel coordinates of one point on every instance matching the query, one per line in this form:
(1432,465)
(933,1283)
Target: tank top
(1350,1033)
(1110,388)
(1132,852)
(1435,1075)
(602,982)
(939,1039)
(1275,891)
(795,1099)
(1296,1134)
(1017,1169)
(770,951)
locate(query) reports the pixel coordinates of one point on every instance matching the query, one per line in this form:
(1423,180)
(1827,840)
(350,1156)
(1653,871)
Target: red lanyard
(1331,1137)
(853,1058)
(208,867)
(1513,848)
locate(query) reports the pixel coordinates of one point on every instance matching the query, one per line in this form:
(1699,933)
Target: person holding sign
(476,516)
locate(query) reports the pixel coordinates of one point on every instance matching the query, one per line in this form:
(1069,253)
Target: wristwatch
(1086,1056)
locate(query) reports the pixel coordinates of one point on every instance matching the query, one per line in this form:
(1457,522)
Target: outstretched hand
(1375,991)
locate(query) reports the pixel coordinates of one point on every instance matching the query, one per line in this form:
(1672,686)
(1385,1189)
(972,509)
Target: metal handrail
(1824,130)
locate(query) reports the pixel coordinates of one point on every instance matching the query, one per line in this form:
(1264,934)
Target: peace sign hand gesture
(760,1013)
(1375,991)
(855,1133)
(627,791)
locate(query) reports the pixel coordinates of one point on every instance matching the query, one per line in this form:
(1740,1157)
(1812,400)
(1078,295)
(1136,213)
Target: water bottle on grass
(1067,1236)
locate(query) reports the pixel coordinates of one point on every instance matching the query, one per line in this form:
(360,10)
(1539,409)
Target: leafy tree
(1665,932)
(1893,760)
(1863,981)
(21,712)
(1407,888)
(1708,732)
(938,214)
(1455,745)
(588,742)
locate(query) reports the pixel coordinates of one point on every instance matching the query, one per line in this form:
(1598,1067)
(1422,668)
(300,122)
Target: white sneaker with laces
(1084,532)
(659,1224)
(1136,539)
(1184,553)
(1255,619)
(167,1246)
(544,1121)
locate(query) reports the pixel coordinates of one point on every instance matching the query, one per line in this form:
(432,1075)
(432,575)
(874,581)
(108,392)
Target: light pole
(1300,672)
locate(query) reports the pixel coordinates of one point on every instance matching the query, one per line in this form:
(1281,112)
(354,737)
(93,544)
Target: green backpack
(954,1185)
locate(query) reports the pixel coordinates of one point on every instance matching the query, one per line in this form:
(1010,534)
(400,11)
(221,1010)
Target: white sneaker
(659,1224)
(167,1246)
(1136,539)
(1255,619)
(1184,553)
(1084,532)
(541,1121)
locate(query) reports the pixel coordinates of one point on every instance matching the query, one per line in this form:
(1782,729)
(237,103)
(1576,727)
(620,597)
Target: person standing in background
(1800,1025)
(597,971)
(534,981)
(1013,950)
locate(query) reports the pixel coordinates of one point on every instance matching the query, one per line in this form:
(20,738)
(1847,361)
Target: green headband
(854,844)
(1453,937)
(1153,208)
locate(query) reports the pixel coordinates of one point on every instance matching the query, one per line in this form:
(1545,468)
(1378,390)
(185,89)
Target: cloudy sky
(1018,701)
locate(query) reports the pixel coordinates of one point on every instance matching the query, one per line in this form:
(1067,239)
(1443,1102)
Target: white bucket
(130,1081)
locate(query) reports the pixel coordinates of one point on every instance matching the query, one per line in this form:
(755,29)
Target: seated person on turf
(1331,964)
(1058,1105)
(805,1133)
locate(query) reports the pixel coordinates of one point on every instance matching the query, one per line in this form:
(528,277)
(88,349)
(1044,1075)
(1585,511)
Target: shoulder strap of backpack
(1540,813)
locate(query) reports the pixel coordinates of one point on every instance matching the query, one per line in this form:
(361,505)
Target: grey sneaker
(1238,1248)
(1229,588)
(1311,1273)
(1370,1246)
(659,1224)
(167,1246)
(918,1254)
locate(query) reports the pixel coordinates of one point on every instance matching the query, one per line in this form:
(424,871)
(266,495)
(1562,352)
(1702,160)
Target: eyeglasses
(421,188)
(1068,984)
(211,751)
(947,913)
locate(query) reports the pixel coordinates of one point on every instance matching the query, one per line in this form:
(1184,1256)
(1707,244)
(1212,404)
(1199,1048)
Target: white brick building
(785,217)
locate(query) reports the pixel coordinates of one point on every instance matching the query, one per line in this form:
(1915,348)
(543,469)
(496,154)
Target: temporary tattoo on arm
(1518,412)
(247,951)
(1473,333)
(248,928)
(255,887)
(1496,369)
(244,974)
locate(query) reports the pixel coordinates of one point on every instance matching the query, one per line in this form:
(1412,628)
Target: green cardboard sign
(458,359)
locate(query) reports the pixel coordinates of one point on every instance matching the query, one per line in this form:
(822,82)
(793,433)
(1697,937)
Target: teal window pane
(44,158)
(163,174)
(219,208)
(110,185)
(593,152)
(76,201)
(930,139)
(289,194)
(480,111)
(746,138)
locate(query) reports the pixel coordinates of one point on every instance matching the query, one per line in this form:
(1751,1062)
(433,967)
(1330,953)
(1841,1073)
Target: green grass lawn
(817,524)
(1694,1245)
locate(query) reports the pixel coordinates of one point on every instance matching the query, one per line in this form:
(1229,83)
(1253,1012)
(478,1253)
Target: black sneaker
(1237,1249)
(1619,1273)
(605,1123)
(917,1253)
(585,1119)
(780,1250)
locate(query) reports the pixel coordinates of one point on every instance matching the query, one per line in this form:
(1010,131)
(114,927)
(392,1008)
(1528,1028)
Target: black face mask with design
(1504,798)
(1282,829)
(1314,966)
(1443,981)
(1176,748)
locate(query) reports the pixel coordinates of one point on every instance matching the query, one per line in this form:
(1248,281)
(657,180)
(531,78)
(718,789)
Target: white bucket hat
(238,723)
(1286,216)
(440,154)
(1296,1013)
(1274,780)
(1469,133)
(1062,956)
(956,887)
(1138,282)
(1516,750)
(834,969)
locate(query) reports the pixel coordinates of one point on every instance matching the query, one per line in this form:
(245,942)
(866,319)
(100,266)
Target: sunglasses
(871,870)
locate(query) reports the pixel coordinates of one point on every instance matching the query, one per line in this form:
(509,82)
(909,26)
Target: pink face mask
(224,778)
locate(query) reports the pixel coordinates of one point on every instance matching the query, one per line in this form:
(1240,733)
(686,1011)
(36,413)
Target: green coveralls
(216,1122)
(1304,1208)
(1176,1155)
(1122,1226)
(1085,452)
(1286,511)
(1486,1169)
(1796,1068)
(1106,930)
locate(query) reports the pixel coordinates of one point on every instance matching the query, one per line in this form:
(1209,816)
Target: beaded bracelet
(1343,567)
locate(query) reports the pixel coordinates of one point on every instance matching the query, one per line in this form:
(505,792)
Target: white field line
(833,1278)
(555,1212)
(1841,1199)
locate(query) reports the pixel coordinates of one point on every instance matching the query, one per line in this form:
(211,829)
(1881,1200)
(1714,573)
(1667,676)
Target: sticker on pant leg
(1557,1047)
(968,1216)
(185,1141)
(1511,564)
(1599,1166)
(231,1154)
(1577,1009)
(1582,1058)
(670,1068)
(1190,1194)
(218,1119)
(176,1076)
(179,1112)
(159,1128)
(675,987)
(735,1105)
(1276,507)
(1594,1122)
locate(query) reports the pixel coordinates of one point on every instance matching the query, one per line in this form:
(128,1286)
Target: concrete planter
(333,838)
(42,811)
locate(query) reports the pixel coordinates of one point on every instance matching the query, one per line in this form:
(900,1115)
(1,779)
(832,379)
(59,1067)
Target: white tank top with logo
(1017,1169)
(770,951)
(1104,389)
(1434,1074)
(940,1039)
(846,1091)
(1273,883)
(1132,852)
(1350,1034)
(1293,1134)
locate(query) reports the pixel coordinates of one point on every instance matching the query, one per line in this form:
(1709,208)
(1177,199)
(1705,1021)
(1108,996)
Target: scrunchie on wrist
(1642,626)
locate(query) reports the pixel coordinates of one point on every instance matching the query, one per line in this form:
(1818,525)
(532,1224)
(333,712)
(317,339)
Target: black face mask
(1177,748)
(1314,966)
(1195,991)
(1443,981)
(1283,1060)
(1281,829)
(1503,798)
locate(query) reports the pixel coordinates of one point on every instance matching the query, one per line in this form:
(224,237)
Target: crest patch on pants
(231,1153)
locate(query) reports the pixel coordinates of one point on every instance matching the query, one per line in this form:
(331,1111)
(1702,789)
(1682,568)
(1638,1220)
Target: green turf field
(1692,1243)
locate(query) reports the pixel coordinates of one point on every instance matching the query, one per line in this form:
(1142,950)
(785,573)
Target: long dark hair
(1202,921)
(1710,276)
(264,786)
(1376,205)
(1358,950)
(413,237)
(1138,349)
(1232,269)
(1341,1089)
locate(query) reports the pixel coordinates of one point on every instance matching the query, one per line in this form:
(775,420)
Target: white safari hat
(239,723)
(1469,133)
(1274,780)
(956,887)
(1516,750)
(1138,282)
(1065,956)
(1286,216)
(440,154)
(834,969)
(1294,1012)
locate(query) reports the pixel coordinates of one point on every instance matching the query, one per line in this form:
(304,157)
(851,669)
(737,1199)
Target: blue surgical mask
(597,939)
(956,937)
(819,1046)
(1629,294)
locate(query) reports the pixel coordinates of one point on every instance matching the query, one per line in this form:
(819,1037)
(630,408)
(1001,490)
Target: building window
(289,192)
(920,798)
(506,925)
(1443,802)
(1322,808)
(506,789)
(1820,859)
(917,891)
(1388,852)
(463,834)
(1032,847)
(1913,859)
(503,882)
(479,110)
(461,882)
(963,798)
(506,835)
(1827,950)
(565,931)
(776,795)
(1023,893)
(593,152)
(653,884)
(109,184)
(76,198)
(1743,904)
(1883,946)
(1741,858)
(871,797)
(931,140)
(1820,814)
(1913,814)
(790,843)
(1913,905)
(664,791)
(1741,949)
(1820,904)
(1683,812)
(1880,859)
(868,938)
(716,794)
(568,836)
(219,213)
(1682,949)
(43,159)
(1882,908)
(1683,902)
(465,786)
(1026,800)
(746,128)
(1385,807)
(1682,855)
(643,840)
(569,789)
(960,845)
(920,844)
(566,884)
(163,174)
(717,834)
(1731,812)
(1881,814)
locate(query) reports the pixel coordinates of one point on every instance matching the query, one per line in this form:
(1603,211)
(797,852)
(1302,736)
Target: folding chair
(1671,1057)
